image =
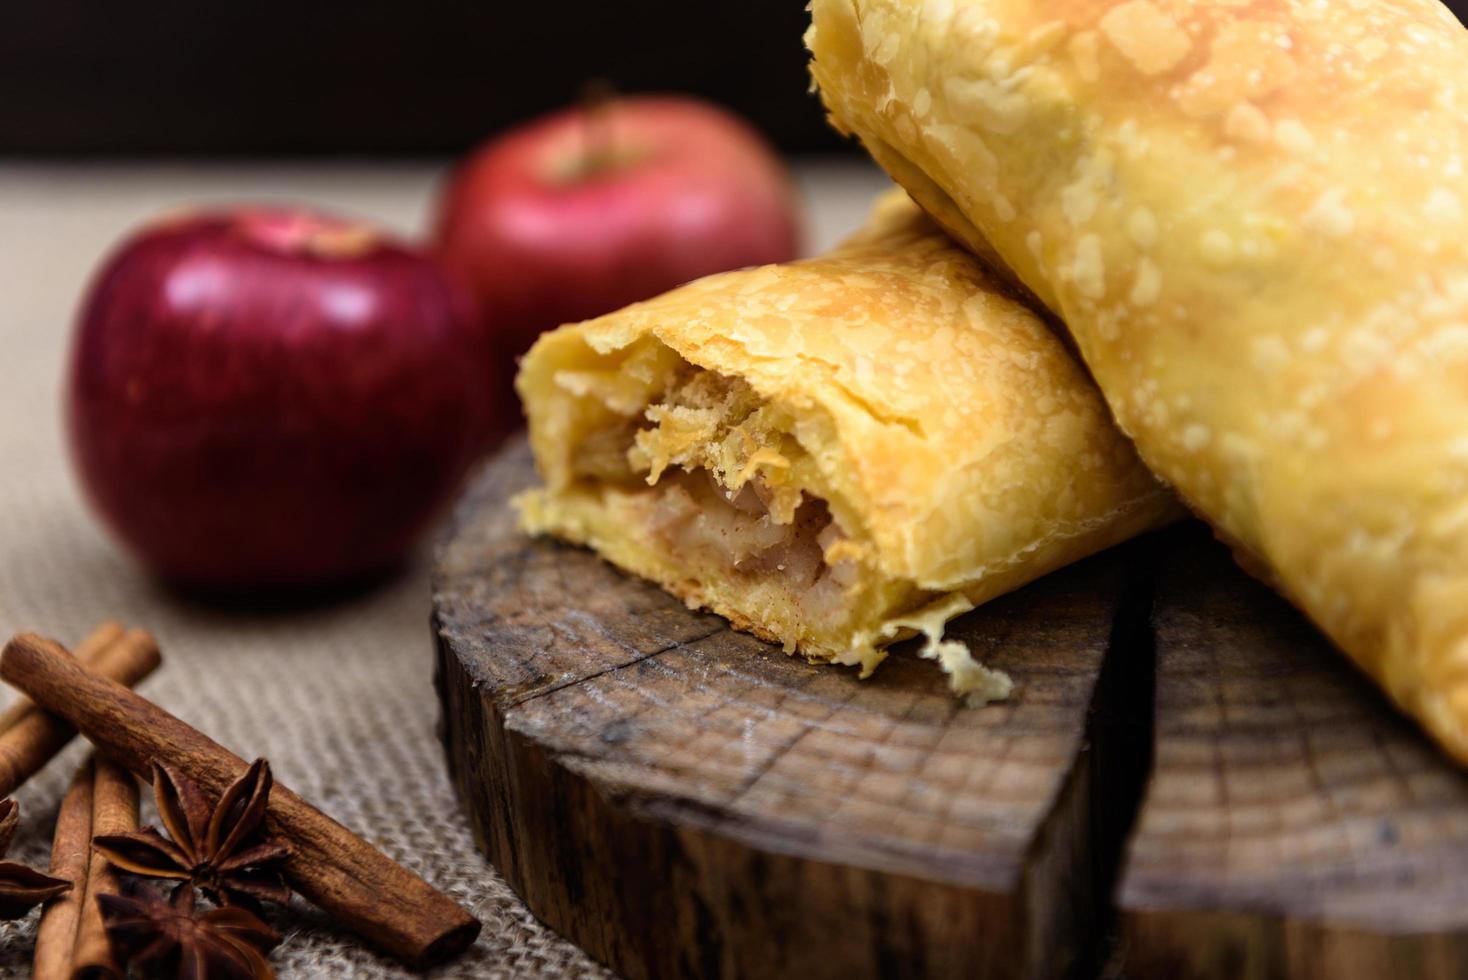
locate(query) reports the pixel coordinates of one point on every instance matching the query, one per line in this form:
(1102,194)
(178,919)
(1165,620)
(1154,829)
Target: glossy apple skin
(541,239)
(273,399)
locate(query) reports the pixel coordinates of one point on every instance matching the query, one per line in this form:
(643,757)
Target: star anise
(173,938)
(221,850)
(21,888)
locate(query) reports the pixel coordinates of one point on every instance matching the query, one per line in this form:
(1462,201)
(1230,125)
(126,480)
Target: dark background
(376,77)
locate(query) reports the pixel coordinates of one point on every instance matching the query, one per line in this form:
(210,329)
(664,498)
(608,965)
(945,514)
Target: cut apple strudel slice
(834,453)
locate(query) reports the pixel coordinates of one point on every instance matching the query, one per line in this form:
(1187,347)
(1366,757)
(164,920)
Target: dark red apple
(598,206)
(273,398)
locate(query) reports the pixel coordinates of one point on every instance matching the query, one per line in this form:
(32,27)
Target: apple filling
(735,533)
(706,475)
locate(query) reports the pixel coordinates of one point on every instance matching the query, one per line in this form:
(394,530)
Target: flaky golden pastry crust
(889,402)
(1253,217)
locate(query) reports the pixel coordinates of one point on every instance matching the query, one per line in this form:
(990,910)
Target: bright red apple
(598,206)
(273,398)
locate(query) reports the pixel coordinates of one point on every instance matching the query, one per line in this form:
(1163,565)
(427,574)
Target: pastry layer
(833,453)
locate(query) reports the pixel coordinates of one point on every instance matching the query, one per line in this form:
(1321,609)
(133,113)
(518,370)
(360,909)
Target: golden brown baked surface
(835,452)
(1253,217)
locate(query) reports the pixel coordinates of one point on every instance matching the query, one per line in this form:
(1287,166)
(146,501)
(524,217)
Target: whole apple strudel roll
(1253,217)
(833,453)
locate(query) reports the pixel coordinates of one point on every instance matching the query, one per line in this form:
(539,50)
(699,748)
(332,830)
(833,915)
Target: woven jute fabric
(337,693)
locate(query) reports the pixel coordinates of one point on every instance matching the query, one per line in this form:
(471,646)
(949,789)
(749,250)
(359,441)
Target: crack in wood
(1112,772)
(638,657)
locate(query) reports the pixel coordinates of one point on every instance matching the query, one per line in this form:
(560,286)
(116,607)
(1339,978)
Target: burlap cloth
(338,694)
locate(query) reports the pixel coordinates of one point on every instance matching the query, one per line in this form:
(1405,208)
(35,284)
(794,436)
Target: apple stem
(600,155)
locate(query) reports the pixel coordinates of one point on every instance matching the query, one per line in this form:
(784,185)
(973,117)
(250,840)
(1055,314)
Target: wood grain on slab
(1295,825)
(684,800)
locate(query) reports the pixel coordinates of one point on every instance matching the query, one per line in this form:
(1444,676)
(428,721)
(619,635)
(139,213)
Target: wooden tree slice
(684,800)
(1295,825)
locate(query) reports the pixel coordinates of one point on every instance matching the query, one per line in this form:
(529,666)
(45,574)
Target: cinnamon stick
(35,736)
(114,811)
(353,882)
(107,633)
(71,852)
